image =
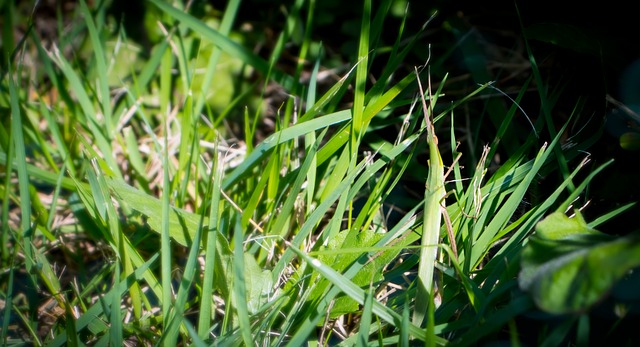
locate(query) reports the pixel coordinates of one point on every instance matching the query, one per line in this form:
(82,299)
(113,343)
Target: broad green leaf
(569,267)
(182,224)
(258,284)
(342,251)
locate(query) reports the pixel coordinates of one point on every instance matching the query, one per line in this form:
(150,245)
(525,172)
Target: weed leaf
(568,267)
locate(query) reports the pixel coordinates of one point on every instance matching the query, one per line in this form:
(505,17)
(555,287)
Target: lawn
(315,173)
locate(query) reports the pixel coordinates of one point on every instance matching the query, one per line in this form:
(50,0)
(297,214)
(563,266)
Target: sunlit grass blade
(282,136)
(342,168)
(432,216)
(258,193)
(610,215)
(496,269)
(310,138)
(6,195)
(566,204)
(225,44)
(101,69)
(400,234)
(362,69)
(239,286)
(90,119)
(110,220)
(228,18)
(165,245)
(502,216)
(115,330)
(188,277)
(97,310)
(189,149)
(287,211)
(205,317)
(405,339)
(365,322)
(26,228)
(314,218)
(338,140)
(358,294)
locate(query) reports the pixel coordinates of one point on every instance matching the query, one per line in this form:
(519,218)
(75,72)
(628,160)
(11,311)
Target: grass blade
(357,294)
(101,68)
(27,230)
(365,323)
(98,308)
(434,195)
(165,245)
(226,45)
(204,320)
(239,288)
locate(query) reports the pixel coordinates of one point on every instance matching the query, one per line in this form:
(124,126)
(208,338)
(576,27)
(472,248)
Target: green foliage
(568,267)
(187,189)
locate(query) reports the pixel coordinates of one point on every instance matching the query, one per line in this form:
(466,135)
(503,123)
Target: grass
(148,198)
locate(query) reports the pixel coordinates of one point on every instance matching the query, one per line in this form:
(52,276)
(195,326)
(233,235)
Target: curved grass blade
(359,295)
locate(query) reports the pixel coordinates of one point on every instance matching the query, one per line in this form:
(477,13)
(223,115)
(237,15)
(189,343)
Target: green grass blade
(268,144)
(226,45)
(314,218)
(204,321)
(607,216)
(273,163)
(362,70)
(101,68)
(228,18)
(8,297)
(432,217)
(165,245)
(26,229)
(150,69)
(404,337)
(365,322)
(97,309)
(578,190)
(188,278)
(398,234)
(115,331)
(358,294)
(338,140)
(239,286)
(287,210)
(343,166)
(310,138)
(502,216)
(90,118)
